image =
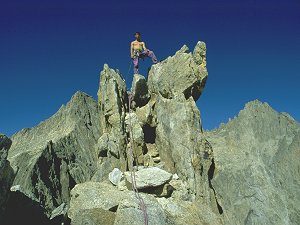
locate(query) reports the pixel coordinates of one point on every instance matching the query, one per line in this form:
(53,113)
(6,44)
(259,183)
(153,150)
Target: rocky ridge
(74,167)
(257,167)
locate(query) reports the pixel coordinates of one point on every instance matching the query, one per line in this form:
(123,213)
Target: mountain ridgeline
(74,168)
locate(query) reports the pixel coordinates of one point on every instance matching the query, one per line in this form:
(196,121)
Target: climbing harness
(138,53)
(131,167)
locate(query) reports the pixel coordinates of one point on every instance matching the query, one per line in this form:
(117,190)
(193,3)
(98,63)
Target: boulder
(185,212)
(149,177)
(93,195)
(104,198)
(129,212)
(115,176)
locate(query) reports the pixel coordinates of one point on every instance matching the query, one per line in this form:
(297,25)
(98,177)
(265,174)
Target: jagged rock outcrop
(256,160)
(178,140)
(112,103)
(174,86)
(58,153)
(162,126)
(6,173)
(76,167)
(184,73)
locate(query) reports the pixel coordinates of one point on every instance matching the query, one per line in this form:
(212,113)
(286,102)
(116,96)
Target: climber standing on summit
(138,50)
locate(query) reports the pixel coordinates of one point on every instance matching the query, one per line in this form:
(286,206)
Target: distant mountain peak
(257,105)
(79,96)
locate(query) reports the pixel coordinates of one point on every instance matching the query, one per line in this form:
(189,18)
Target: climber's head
(137,35)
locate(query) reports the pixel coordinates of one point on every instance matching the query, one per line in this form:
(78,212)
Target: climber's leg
(151,55)
(136,65)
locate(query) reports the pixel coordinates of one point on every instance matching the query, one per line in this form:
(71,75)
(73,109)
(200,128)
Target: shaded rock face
(139,90)
(58,153)
(6,173)
(24,209)
(5,143)
(256,158)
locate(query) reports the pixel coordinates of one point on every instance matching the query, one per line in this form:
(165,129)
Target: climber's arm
(144,46)
(131,50)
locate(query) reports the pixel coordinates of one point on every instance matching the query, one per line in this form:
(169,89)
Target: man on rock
(138,50)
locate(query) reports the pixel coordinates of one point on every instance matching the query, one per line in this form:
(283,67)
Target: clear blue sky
(51,49)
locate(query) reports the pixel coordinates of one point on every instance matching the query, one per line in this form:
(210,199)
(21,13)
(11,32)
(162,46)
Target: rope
(128,70)
(130,154)
(132,169)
